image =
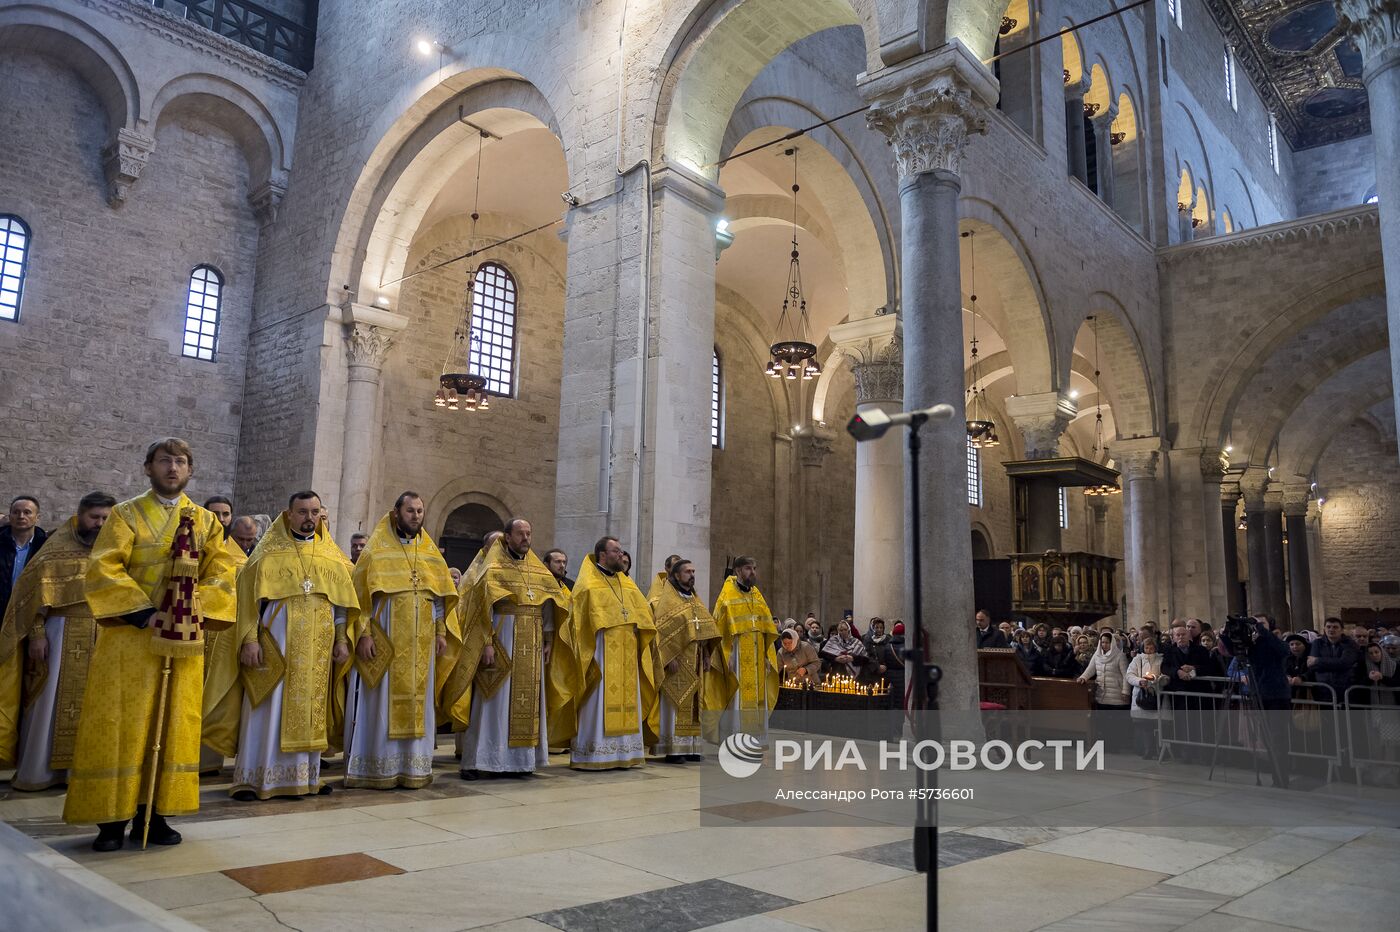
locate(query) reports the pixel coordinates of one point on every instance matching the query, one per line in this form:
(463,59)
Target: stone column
(1375,27)
(1277,595)
(1253,484)
(1295,514)
(370,332)
(1229,535)
(634,416)
(1042,419)
(1139,468)
(926,107)
(1098,505)
(672,511)
(812,573)
(1074,129)
(1319,604)
(1103,140)
(876,349)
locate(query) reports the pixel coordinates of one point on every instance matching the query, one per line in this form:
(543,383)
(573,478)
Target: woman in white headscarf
(843,652)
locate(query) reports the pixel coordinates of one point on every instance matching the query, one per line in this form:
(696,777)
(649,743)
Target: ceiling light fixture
(793,355)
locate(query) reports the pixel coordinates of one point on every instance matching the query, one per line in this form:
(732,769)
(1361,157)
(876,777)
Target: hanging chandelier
(1100,450)
(465,390)
(794,357)
(981,430)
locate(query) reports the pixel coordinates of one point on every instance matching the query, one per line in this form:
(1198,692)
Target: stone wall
(1339,175)
(94,370)
(1227,147)
(743,478)
(508,452)
(1360,480)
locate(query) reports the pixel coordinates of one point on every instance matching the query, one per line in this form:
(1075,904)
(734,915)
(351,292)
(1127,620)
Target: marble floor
(626,851)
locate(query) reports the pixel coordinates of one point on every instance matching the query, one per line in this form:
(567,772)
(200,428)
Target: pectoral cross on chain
(306,586)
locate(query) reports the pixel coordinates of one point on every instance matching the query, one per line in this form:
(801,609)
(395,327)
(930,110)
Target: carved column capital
(812,449)
(875,346)
(123,160)
(1137,464)
(368,345)
(1374,25)
(1295,500)
(881,377)
(266,199)
(1254,483)
(1042,420)
(927,107)
(1213,465)
(1230,490)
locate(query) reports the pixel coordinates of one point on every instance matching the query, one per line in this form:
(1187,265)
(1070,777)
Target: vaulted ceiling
(1303,64)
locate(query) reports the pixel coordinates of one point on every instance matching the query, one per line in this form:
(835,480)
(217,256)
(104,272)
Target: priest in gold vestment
(223,692)
(404,593)
(602,677)
(685,638)
(126,589)
(293,596)
(749,665)
(509,609)
(45,645)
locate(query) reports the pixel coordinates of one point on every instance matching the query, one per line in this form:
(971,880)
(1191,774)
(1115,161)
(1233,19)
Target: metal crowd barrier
(1373,729)
(1196,718)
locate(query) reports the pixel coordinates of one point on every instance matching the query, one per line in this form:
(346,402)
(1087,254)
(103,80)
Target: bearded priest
(510,607)
(293,596)
(685,639)
(45,644)
(749,665)
(602,678)
(157,576)
(404,594)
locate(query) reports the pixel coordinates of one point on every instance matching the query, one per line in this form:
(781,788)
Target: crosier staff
(177,630)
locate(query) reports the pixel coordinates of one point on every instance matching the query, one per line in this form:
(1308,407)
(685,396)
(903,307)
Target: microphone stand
(924,698)
(871,425)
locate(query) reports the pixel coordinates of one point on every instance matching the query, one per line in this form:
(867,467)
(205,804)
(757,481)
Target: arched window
(14,259)
(716,404)
(202,312)
(974,474)
(493,328)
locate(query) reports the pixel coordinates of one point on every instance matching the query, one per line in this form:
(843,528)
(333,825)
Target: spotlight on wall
(570,198)
(1074,393)
(427,47)
(721,225)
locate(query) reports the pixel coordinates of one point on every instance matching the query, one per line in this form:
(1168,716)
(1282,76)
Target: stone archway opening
(463,532)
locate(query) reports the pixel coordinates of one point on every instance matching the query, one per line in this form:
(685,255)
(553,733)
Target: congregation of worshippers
(149,641)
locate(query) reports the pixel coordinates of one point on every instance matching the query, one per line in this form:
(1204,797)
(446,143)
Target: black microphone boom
(872,423)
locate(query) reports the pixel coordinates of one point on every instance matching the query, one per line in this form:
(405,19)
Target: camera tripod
(1252,703)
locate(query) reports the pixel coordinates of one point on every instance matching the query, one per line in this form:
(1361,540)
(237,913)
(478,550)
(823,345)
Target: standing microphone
(872,423)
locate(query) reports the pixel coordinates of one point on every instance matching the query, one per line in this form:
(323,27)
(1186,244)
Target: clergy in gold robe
(602,677)
(46,643)
(749,665)
(223,690)
(293,597)
(658,582)
(404,593)
(685,638)
(506,616)
(134,558)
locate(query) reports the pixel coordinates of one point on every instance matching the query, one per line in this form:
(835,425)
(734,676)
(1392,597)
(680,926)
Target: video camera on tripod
(1240,630)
